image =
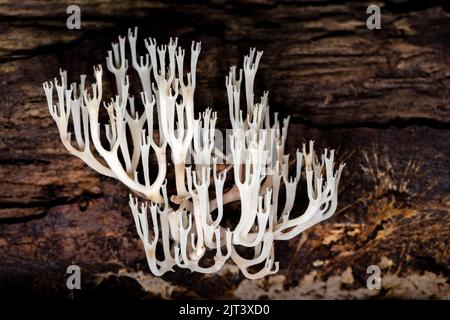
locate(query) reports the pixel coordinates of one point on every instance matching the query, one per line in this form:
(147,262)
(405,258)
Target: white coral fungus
(190,223)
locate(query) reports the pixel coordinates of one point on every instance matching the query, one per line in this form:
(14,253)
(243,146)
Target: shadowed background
(380,98)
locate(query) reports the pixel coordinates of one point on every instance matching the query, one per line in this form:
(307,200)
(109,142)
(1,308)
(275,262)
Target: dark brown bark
(379,97)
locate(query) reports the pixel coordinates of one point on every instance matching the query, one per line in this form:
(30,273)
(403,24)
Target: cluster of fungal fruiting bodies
(189,223)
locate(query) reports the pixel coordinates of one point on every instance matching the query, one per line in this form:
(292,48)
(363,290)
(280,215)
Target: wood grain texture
(381,98)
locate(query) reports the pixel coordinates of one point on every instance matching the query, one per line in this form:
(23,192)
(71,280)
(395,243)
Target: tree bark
(379,97)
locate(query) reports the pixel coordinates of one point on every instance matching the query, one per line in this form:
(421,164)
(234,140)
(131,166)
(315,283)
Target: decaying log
(381,98)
